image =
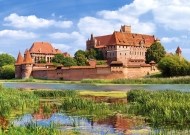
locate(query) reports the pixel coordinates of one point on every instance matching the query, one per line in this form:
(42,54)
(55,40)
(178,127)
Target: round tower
(18,66)
(27,65)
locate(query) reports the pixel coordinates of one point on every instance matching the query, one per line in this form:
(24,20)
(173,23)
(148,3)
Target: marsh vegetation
(158,109)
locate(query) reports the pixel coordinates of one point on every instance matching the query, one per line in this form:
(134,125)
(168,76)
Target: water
(83,125)
(100,87)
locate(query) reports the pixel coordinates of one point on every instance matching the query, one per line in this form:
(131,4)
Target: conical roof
(178,50)
(20,59)
(27,57)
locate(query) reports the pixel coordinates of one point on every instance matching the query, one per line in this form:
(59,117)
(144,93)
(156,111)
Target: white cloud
(107,21)
(17,34)
(63,47)
(34,22)
(71,41)
(169,39)
(173,14)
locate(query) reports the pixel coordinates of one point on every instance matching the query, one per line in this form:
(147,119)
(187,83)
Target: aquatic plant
(56,93)
(160,107)
(12,101)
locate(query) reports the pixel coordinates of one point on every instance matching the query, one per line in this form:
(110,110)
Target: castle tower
(126,29)
(27,65)
(18,66)
(178,51)
(91,43)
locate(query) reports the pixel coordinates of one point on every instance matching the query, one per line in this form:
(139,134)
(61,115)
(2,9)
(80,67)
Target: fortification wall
(75,74)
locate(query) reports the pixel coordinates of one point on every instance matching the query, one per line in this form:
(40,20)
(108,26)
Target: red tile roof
(43,47)
(123,38)
(20,59)
(27,57)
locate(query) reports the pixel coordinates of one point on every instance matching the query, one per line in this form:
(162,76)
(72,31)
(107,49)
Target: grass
(161,107)
(12,100)
(112,94)
(150,80)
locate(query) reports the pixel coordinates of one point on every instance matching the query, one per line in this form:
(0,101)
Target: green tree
(7,72)
(58,58)
(80,52)
(6,59)
(80,58)
(173,65)
(42,61)
(68,61)
(156,52)
(94,54)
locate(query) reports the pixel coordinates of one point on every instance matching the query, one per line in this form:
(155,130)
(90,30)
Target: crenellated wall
(79,73)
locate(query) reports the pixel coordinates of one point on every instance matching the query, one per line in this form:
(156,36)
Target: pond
(84,125)
(98,87)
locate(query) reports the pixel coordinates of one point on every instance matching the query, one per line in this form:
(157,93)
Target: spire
(91,37)
(27,57)
(19,59)
(178,51)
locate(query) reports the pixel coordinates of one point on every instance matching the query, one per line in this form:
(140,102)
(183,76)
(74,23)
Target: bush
(173,65)
(7,72)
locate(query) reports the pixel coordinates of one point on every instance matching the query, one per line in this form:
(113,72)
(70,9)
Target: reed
(55,93)
(85,107)
(12,100)
(160,107)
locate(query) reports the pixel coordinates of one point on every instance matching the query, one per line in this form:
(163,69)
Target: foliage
(173,65)
(80,57)
(159,107)
(58,58)
(7,72)
(80,106)
(171,80)
(12,100)
(156,52)
(32,130)
(42,61)
(6,59)
(101,62)
(68,61)
(94,54)
(56,93)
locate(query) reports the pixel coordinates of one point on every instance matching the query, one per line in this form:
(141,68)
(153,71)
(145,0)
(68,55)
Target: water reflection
(66,122)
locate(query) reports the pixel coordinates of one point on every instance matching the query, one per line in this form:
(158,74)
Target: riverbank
(151,80)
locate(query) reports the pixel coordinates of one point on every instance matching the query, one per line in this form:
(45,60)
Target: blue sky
(67,24)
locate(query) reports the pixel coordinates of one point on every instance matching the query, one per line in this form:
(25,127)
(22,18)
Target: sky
(67,24)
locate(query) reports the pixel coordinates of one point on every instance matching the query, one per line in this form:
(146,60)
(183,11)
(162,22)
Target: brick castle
(123,50)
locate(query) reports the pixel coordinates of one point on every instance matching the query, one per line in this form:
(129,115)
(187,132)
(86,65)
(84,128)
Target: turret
(178,51)
(18,66)
(90,44)
(126,29)
(27,65)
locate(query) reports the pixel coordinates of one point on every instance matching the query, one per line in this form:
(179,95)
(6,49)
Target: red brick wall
(92,73)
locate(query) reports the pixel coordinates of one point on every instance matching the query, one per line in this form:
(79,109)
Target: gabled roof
(20,59)
(43,47)
(124,38)
(27,57)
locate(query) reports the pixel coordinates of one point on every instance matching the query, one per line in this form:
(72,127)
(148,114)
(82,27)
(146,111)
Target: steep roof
(27,57)
(178,50)
(43,47)
(20,59)
(124,38)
